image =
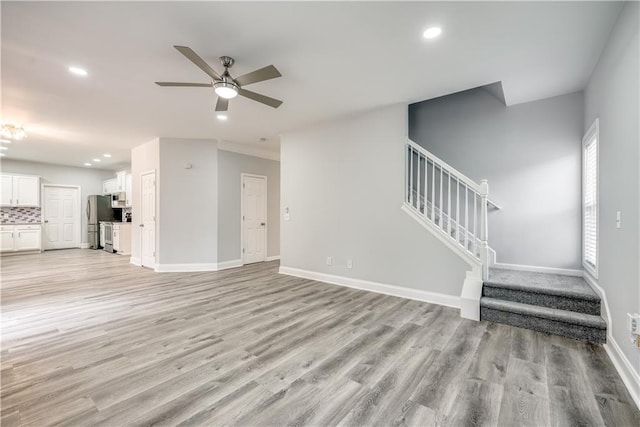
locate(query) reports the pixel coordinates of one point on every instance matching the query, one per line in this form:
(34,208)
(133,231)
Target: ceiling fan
(224,85)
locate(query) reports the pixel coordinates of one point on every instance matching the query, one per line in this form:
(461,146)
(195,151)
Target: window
(590,199)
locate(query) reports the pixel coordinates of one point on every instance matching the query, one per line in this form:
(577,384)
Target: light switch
(329,261)
(618,220)
(349,263)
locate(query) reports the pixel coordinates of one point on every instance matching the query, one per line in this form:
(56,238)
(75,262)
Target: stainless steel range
(108,236)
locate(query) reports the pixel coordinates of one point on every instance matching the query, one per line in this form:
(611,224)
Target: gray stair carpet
(552,303)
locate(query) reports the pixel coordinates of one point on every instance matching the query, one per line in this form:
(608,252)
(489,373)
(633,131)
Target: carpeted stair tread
(571,317)
(541,283)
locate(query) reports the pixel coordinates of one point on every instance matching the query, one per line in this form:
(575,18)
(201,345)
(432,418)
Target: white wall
(612,95)
(188,201)
(530,153)
(230,167)
(144,158)
(343,183)
(90,180)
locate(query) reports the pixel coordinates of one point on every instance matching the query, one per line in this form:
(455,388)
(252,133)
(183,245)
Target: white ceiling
(336,59)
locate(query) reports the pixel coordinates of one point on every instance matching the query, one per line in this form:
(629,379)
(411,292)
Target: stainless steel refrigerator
(98,209)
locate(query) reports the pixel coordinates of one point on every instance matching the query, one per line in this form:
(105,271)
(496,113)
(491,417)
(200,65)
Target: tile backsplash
(10,215)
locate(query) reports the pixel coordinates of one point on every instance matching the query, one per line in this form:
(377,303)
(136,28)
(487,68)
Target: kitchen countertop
(21,223)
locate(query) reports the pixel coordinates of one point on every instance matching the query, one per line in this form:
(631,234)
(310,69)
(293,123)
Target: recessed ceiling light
(78,71)
(107,155)
(87,164)
(432,33)
(96,160)
(6,141)
(222,117)
(4,148)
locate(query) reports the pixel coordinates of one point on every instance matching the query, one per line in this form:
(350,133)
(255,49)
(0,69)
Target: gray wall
(90,180)
(144,158)
(188,201)
(230,166)
(343,183)
(530,153)
(612,95)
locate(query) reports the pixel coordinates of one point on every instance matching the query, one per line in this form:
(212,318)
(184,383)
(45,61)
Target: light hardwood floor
(88,339)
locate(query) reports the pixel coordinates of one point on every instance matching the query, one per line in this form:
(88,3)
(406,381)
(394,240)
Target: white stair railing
(449,202)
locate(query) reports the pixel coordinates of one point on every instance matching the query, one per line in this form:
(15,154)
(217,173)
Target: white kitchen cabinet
(110,186)
(102,236)
(20,190)
(16,238)
(122,238)
(27,238)
(127,189)
(6,238)
(121,181)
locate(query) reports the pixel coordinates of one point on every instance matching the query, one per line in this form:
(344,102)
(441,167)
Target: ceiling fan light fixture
(226,90)
(10,131)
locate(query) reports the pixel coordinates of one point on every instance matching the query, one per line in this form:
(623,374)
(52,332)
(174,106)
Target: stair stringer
(472,285)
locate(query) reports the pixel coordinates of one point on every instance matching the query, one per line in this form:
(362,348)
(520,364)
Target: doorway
(61,216)
(148,219)
(254,218)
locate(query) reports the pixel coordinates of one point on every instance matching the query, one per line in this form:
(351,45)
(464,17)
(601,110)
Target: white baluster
(433,192)
(406,173)
(449,205)
(484,229)
(441,223)
(418,181)
(457,211)
(426,189)
(475,224)
(411,176)
(466,218)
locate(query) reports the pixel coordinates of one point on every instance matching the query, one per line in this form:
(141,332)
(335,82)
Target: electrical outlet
(329,260)
(349,263)
(618,220)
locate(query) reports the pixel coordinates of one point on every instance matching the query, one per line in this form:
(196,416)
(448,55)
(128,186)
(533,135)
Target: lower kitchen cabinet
(122,238)
(17,238)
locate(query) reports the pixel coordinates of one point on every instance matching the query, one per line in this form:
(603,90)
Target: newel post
(484,228)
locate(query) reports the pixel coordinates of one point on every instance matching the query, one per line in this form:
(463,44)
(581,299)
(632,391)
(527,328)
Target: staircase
(454,208)
(551,303)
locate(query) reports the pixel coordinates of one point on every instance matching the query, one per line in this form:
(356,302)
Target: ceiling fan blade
(266,73)
(193,57)
(271,102)
(222,104)
(178,84)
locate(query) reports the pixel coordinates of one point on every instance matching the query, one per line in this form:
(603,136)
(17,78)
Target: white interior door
(148,219)
(254,218)
(61,217)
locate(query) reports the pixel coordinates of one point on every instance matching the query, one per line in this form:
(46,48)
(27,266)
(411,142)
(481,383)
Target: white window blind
(590,198)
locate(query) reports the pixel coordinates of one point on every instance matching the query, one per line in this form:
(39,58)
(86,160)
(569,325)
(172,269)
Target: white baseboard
(537,269)
(380,288)
(84,245)
(230,264)
(272,258)
(191,267)
(135,261)
(629,376)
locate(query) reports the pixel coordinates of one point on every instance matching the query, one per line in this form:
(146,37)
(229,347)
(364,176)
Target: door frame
(155,231)
(43,187)
(266,227)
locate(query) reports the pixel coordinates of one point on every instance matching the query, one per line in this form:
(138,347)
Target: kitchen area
(109,216)
(46,207)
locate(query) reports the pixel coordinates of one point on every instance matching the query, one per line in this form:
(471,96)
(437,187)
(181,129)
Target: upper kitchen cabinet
(127,189)
(20,190)
(109,186)
(121,178)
